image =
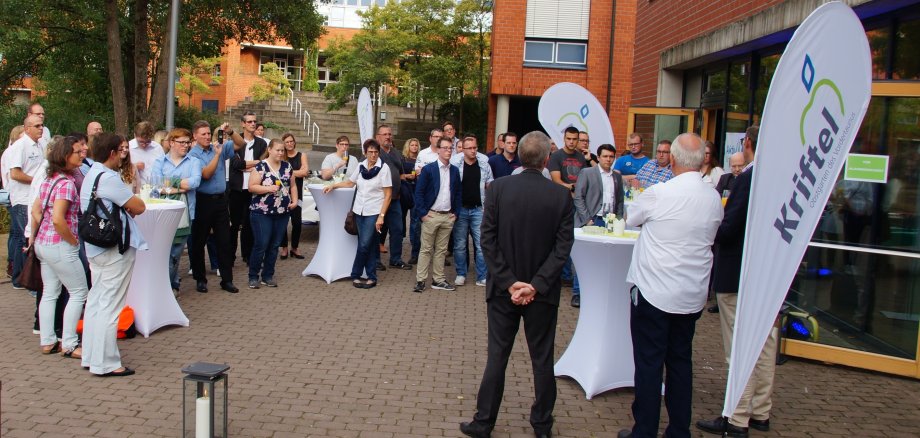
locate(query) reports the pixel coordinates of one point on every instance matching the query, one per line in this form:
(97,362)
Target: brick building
(706,66)
(538,43)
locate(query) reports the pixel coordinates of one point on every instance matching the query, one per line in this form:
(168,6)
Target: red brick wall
(664,24)
(510,77)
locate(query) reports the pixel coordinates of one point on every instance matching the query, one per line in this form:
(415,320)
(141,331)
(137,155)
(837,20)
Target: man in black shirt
(475,176)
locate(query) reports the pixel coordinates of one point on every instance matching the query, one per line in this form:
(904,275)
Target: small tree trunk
(116,74)
(156,113)
(141,59)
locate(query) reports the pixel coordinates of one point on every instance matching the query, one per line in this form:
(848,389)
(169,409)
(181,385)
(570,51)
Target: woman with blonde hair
(274,194)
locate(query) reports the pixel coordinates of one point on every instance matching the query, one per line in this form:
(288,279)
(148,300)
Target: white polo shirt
(147,155)
(672,259)
(425,157)
(27,155)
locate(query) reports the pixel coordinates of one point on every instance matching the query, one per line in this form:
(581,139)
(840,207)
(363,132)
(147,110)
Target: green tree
(127,40)
(190,76)
(273,83)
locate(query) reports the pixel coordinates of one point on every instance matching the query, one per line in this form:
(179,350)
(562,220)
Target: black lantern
(204,400)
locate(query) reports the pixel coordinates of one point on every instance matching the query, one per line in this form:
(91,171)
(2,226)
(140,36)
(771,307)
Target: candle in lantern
(202,416)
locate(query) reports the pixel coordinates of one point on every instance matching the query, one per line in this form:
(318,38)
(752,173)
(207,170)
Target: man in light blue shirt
(213,216)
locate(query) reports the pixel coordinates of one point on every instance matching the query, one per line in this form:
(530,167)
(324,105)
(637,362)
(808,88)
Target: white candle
(202,417)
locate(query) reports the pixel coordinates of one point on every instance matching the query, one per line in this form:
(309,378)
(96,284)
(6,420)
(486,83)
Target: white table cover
(335,253)
(600,356)
(150,294)
(308,213)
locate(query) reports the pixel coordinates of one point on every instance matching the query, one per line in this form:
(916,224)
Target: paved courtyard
(315,360)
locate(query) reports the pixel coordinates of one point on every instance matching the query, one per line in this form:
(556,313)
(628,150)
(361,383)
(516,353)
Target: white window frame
(555,51)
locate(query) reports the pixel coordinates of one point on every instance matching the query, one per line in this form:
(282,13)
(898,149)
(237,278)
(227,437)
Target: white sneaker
(217,271)
(189,272)
(481,283)
(460,281)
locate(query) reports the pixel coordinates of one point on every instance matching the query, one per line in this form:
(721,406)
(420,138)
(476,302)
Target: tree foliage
(190,76)
(424,48)
(65,41)
(273,83)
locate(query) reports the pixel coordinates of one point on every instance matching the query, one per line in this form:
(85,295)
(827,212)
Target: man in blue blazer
(437,199)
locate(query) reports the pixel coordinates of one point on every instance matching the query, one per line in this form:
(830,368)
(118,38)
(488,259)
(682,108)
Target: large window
(557,33)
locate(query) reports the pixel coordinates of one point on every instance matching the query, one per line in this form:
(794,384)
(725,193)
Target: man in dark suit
(437,200)
(737,162)
(524,281)
(754,406)
(242,161)
(597,186)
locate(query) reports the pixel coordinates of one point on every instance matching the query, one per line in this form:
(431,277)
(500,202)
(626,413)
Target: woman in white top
(338,162)
(711,170)
(372,197)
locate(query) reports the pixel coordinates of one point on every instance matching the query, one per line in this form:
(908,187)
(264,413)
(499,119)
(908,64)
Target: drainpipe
(613,21)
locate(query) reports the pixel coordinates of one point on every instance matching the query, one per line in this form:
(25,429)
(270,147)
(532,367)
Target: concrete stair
(331,123)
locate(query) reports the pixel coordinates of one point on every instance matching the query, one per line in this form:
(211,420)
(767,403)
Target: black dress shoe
(625,433)
(201,286)
(576,301)
(401,265)
(381,267)
(229,287)
(547,434)
(721,426)
(761,425)
(713,309)
(413,260)
(471,429)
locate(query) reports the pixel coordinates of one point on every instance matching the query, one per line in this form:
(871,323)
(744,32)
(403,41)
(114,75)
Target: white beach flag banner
(365,113)
(815,105)
(566,104)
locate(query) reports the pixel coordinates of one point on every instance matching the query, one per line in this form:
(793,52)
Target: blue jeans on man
(19,217)
(469,222)
(415,233)
(395,226)
(368,252)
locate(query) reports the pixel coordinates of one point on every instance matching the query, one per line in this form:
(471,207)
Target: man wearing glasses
(36,109)
(241,163)
(144,151)
(629,164)
(475,176)
(658,171)
(25,159)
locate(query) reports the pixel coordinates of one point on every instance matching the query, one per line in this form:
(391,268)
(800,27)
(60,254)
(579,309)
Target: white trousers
(111,273)
(61,265)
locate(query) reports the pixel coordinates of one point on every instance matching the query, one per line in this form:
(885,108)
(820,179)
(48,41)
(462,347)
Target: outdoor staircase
(318,128)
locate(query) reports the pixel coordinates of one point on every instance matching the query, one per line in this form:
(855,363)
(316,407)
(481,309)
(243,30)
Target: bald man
(737,163)
(93,128)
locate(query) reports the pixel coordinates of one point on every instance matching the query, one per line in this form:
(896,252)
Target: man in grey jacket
(599,190)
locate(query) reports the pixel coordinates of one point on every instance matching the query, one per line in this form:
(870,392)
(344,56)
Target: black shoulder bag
(101,227)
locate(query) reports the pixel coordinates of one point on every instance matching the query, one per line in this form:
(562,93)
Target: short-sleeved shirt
(567,165)
(629,165)
(333,160)
(273,203)
(217,184)
(369,192)
(28,156)
(65,189)
(188,168)
(502,167)
(111,190)
(652,174)
(425,157)
(146,155)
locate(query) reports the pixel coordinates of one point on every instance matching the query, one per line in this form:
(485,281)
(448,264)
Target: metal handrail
(291,99)
(315,133)
(307,119)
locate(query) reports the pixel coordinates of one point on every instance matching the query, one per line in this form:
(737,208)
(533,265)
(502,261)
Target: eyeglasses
(470,148)
(182,141)
(634,144)
(445,148)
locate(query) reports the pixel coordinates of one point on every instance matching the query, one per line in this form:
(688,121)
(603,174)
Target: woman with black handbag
(55,214)
(372,197)
(113,207)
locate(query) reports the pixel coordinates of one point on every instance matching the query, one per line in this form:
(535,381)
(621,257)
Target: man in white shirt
(25,159)
(36,109)
(430,154)
(144,151)
(670,272)
(437,200)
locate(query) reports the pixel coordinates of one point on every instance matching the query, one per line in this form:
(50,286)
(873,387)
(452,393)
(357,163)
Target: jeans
(415,233)
(175,254)
(393,221)
(111,275)
(267,229)
(469,222)
(18,219)
(61,265)
(368,248)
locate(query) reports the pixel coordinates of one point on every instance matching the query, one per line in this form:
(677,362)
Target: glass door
(658,123)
